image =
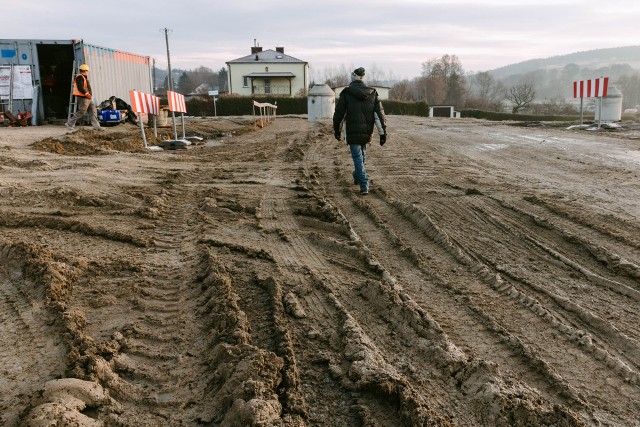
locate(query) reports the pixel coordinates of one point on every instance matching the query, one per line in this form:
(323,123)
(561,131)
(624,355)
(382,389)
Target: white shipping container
(113,73)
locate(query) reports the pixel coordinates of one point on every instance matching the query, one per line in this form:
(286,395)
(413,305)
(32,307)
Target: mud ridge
(243,387)
(589,224)
(84,355)
(251,252)
(611,260)
(36,221)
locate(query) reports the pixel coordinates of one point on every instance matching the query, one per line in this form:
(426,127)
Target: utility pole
(153,77)
(166,38)
(173,114)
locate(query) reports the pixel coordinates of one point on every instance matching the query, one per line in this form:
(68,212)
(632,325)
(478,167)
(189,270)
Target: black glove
(337,134)
(383,139)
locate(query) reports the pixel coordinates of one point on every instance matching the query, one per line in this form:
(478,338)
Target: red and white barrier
(176,102)
(149,104)
(591,88)
(144,103)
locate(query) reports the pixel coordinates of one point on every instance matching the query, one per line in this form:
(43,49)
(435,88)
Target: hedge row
(241,106)
(406,108)
(492,115)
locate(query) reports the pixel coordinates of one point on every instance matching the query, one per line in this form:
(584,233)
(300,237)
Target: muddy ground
(490,278)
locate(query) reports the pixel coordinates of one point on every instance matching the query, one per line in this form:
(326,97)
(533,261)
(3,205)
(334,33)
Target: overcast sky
(394,36)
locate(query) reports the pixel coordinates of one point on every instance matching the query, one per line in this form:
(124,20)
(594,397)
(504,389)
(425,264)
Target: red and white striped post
(591,88)
(177,104)
(144,103)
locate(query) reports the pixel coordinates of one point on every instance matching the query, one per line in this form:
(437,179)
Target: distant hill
(553,77)
(591,59)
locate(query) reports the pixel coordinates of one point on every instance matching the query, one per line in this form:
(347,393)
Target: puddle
(164,397)
(487,147)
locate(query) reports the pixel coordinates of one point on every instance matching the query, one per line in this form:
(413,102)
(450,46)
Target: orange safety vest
(76,92)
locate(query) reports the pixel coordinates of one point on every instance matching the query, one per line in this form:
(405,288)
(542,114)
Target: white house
(267,72)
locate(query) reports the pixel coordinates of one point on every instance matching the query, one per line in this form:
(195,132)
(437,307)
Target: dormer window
(266,69)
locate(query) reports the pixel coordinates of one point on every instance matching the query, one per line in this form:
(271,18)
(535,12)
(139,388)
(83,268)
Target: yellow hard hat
(84,67)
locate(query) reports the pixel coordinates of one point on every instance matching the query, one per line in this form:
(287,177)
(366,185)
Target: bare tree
(373,74)
(401,91)
(485,92)
(630,86)
(336,76)
(521,96)
(444,79)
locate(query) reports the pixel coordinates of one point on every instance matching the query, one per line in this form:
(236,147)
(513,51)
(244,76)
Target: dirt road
(491,277)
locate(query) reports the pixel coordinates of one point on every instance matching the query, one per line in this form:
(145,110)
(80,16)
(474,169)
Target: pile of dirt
(90,142)
(128,138)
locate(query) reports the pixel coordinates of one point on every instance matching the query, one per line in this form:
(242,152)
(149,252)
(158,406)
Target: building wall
(238,70)
(115,73)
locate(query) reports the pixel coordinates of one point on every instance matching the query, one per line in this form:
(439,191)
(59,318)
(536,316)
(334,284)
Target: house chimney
(256,49)
(280,49)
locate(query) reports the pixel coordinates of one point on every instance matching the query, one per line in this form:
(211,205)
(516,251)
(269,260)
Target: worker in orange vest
(82,92)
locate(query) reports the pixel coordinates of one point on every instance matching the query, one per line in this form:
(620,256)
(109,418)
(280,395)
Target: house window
(245,81)
(267,85)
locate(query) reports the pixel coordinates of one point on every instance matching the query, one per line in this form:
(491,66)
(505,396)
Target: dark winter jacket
(357,105)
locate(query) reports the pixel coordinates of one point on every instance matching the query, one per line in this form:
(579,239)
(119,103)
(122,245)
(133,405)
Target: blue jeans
(359,154)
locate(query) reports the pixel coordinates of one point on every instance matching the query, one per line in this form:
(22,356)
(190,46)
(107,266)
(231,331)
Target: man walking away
(82,92)
(359,109)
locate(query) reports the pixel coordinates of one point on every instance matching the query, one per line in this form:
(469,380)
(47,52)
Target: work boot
(99,129)
(68,126)
(364,191)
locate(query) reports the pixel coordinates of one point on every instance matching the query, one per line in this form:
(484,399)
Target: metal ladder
(73,102)
(7,104)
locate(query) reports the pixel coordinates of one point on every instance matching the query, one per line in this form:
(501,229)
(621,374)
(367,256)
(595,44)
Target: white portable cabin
(611,106)
(321,102)
(37,75)
(443,111)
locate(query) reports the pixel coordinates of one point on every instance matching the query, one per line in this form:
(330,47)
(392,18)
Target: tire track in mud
(535,238)
(326,368)
(600,356)
(301,258)
(472,328)
(608,291)
(29,349)
(351,289)
(135,326)
(577,308)
(155,371)
(310,312)
(560,315)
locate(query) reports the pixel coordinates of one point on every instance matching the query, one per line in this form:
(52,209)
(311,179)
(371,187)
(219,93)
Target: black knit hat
(359,72)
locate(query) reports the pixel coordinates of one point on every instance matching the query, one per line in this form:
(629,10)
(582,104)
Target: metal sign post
(600,114)
(144,137)
(581,111)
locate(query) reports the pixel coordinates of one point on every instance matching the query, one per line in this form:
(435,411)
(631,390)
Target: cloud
(396,35)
